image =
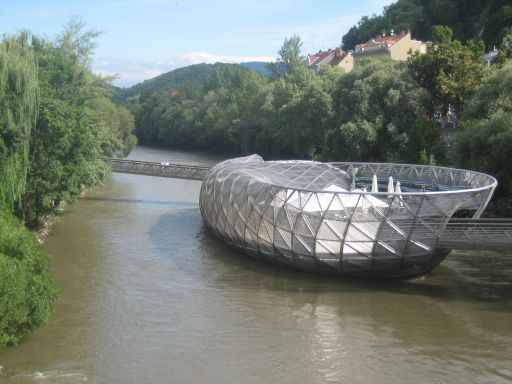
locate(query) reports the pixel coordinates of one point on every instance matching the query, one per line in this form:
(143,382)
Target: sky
(143,38)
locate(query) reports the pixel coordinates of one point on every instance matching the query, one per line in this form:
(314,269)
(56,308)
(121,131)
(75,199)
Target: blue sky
(143,38)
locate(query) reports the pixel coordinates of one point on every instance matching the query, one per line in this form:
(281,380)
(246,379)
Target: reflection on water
(148,295)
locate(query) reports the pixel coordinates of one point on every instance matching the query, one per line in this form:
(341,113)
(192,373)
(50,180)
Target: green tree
(449,70)
(489,20)
(505,51)
(27,292)
(376,105)
(19,98)
(69,138)
(424,144)
(485,140)
(290,59)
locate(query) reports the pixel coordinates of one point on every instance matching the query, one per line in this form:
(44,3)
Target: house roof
(339,58)
(317,58)
(383,40)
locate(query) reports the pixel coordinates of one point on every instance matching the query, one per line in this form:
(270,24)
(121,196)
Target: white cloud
(129,72)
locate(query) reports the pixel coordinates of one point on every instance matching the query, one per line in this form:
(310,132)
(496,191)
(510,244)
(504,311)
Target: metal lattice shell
(323,217)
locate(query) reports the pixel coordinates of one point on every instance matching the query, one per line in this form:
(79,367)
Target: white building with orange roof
(395,46)
(334,57)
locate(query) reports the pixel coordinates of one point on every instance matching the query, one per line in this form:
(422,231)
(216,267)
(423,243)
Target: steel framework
(323,217)
(178,171)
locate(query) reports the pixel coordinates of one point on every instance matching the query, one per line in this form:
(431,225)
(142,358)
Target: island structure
(360,219)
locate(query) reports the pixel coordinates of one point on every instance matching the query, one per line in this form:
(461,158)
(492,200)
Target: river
(148,295)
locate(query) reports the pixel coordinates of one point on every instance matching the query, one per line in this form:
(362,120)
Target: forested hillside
(56,122)
(187,78)
(489,20)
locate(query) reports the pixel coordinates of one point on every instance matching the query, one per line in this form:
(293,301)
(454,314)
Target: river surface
(149,296)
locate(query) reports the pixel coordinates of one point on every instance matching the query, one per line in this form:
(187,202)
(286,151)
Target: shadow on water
(199,254)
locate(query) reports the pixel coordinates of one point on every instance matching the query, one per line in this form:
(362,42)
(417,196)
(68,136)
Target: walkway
(177,171)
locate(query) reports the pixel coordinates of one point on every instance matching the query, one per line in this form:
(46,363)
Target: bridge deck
(484,234)
(488,234)
(147,168)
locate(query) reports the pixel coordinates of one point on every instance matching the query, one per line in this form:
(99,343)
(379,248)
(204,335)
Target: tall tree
(485,140)
(69,139)
(449,70)
(26,290)
(290,59)
(19,98)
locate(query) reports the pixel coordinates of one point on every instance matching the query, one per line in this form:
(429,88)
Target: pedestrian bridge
(490,234)
(464,234)
(147,168)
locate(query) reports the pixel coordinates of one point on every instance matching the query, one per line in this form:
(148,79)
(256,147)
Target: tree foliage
(381,111)
(376,105)
(449,70)
(56,122)
(489,20)
(485,141)
(19,96)
(290,59)
(26,289)
(77,121)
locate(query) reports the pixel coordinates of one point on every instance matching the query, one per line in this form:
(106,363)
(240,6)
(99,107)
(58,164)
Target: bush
(27,292)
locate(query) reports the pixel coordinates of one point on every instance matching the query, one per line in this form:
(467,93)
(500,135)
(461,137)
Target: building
(343,60)
(395,46)
(319,59)
(334,57)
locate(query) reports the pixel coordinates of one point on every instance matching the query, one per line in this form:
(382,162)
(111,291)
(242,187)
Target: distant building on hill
(334,57)
(396,46)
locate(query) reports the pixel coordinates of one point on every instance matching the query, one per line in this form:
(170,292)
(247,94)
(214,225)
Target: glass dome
(362,219)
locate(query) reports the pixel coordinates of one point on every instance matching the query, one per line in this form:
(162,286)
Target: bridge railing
(490,234)
(178,171)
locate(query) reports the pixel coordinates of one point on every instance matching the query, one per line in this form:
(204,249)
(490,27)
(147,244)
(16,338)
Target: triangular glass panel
(250,236)
(304,198)
(357,249)
(357,232)
(265,247)
(327,248)
(301,246)
(268,214)
(270,229)
(264,234)
(325,232)
(282,239)
(325,200)
(282,220)
(314,221)
(253,220)
(301,226)
(384,250)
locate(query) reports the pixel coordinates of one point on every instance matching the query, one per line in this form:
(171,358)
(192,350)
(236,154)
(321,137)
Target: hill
(489,20)
(258,66)
(193,75)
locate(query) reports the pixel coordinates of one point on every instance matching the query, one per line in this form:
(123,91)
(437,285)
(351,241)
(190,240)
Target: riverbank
(45,229)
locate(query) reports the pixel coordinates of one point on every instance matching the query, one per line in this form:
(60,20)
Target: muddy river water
(148,295)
